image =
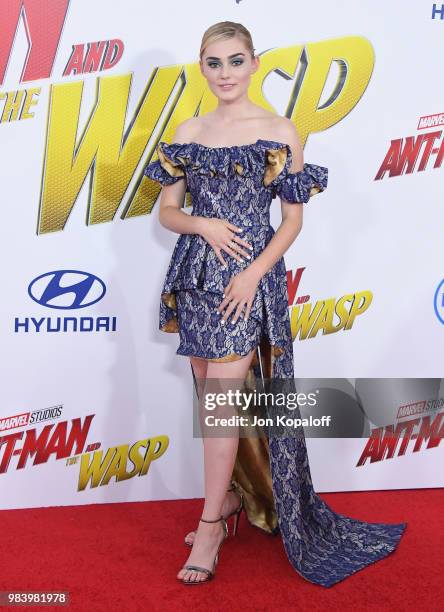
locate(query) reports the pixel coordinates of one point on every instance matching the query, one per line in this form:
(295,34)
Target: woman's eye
(237,62)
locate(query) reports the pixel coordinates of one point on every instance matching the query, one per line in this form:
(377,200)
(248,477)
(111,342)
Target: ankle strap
(215,521)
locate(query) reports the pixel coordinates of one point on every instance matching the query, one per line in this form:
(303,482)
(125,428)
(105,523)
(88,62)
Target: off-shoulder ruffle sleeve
(293,187)
(169,167)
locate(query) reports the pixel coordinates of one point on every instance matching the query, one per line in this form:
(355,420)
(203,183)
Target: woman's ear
(256,64)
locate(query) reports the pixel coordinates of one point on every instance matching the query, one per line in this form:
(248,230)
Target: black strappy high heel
(210,573)
(235,512)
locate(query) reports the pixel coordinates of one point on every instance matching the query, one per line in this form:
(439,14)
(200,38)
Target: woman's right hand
(222,236)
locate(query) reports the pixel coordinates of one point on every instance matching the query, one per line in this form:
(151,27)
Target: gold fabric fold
(170,300)
(252,475)
(168,164)
(251,470)
(171,326)
(274,164)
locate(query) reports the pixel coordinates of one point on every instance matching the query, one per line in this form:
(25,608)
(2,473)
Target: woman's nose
(225,71)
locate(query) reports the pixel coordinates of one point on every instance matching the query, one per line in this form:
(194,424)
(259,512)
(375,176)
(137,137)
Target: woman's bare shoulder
(285,131)
(281,129)
(186,130)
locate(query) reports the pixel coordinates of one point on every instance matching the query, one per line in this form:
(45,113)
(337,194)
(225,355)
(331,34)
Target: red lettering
(43,23)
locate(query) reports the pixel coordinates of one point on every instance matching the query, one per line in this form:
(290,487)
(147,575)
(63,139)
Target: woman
(225,293)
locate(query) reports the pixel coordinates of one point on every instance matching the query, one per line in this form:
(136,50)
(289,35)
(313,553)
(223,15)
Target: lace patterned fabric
(202,333)
(238,183)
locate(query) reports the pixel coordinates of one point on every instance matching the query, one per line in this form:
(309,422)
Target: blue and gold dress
(238,183)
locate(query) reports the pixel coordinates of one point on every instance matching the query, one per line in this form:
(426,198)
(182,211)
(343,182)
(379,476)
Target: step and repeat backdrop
(95,404)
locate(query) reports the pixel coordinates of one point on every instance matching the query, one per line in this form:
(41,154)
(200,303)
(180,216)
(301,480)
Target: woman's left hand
(239,293)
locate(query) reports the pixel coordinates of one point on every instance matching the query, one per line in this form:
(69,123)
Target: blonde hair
(224,30)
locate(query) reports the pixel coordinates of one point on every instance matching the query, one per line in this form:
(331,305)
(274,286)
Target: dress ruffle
(165,170)
(221,162)
(271,159)
(194,265)
(293,187)
(299,187)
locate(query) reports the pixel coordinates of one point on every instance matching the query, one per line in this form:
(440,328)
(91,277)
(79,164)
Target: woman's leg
(219,458)
(232,499)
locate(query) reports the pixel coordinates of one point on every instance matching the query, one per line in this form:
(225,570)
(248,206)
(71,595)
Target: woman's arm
(291,224)
(171,215)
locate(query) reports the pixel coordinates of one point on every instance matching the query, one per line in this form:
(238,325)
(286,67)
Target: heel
(236,521)
(236,513)
(233,487)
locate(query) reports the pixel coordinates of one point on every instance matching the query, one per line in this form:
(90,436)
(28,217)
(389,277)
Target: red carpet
(125,557)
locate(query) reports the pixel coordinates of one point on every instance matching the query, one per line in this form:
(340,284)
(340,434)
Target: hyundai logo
(438,301)
(66,289)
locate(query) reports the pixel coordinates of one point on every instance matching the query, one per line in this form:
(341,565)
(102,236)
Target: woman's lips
(228,86)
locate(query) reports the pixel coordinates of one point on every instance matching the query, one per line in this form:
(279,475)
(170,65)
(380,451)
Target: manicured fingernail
(251,248)
(248,256)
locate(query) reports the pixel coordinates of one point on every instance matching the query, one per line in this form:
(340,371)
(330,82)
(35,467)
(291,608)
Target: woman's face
(228,62)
